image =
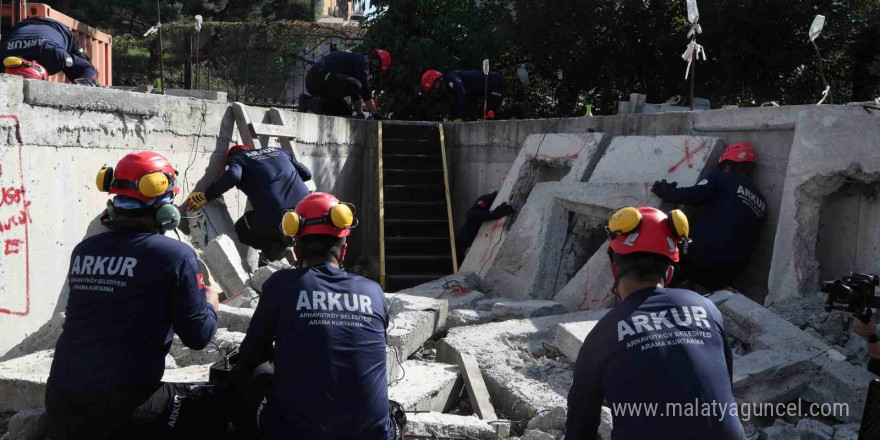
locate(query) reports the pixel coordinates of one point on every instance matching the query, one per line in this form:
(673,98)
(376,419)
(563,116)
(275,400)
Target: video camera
(853,293)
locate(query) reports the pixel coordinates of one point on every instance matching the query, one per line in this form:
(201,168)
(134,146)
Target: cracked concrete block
(410,329)
(28,425)
(570,336)
(771,376)
(550,420)
(23,381)
(427,386)
(224,339)
(647,159)
(834,149)
(245,299)
(399,302)
(534,434)
(43,339)
(460,290)
(529,260)
(502,311)
(485,305)
(848,431)
(234,319)
(838,381)
(503,352)
(465,317)
(760,328)
(223,259)
(814,430)
(393,359)
(590,288)
(70,96)
(438,425)
(191,374)
(546,157)
(263,273)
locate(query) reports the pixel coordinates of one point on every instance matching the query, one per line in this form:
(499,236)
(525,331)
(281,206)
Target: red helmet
(428,79)
(385,57)
(739,152)
(319,213)
(236,147)
(25,68)
(143,175)
(646,229)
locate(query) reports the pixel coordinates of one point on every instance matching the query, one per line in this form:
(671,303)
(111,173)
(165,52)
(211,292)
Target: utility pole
(694,50)
(161,55)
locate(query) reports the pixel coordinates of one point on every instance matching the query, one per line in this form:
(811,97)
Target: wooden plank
(473,379)
(448,199)
(279,131)
(243,121)
(381,214)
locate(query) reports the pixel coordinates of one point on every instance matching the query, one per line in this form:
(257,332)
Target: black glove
(662,187)
(503,210)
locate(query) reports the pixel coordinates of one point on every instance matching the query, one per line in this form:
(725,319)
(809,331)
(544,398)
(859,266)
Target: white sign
(693,12)
(485,67)
(816,27)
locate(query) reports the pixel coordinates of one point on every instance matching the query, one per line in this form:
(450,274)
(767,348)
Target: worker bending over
(273,181)
(342,75)
(476,216)
(131,290)
(657,346)
(50,44)
(725,231)
(465,91)
(325,330)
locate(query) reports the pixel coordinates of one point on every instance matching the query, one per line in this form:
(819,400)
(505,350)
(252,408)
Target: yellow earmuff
(104,178)
(154,184)
(624,221)
(342,215)
(12,62)
(291,223)
(679,223)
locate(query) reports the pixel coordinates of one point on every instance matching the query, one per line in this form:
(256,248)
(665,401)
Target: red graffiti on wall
(688,154)
(15,197)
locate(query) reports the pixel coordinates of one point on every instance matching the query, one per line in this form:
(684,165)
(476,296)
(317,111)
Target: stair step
(415,209)
(412,161)
(394,283)
(406,264)
(416,228)
(415,193)
(426,131)
(422,245)
(409,176)
(411,146)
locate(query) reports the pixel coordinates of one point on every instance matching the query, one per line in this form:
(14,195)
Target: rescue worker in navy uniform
(340,75)
(476,216)
(327,327)
(52,45)
(732,212)
(273,181)
(466,89)
(656,346)
(131,290)
(868,331)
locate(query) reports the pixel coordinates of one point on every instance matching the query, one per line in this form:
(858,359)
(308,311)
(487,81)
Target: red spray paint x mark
(27,266)
(688,154)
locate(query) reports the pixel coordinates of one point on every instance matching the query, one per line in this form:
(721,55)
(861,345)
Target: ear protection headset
(628,219)
(150,185)
(341,216)
(167,215)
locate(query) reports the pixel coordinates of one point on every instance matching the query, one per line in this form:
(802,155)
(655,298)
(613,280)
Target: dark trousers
(332,89)
(713,275)
(263,232)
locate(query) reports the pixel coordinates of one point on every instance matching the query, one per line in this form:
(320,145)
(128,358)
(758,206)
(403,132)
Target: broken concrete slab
(647,159)
(502,311)
(235,319)
(399,302)
(546,157)
(529,261)
(506,353)
(462,290)
(570,336)
(438,425)
(223,259)
(224,341)
(29,424)
(834,150)
(43,339)
(476,387)
(553,419)
(245,299)
(23,381)
(814,429)
(427,386)
(263,273)
(414,320)
(590,288)
(464,317)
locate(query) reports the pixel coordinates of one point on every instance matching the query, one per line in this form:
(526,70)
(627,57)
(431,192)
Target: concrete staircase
(417,233)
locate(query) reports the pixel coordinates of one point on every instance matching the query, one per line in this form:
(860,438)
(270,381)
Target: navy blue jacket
(130,291)
(351,64)
(328,327)
(49,43)
(270,177)
(733,210)
(658,346)
(471,83)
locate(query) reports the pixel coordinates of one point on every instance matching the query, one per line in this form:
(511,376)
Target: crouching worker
(273,181)
(325,330)
(47,43)
(658,346)
(131,290)
(341,81)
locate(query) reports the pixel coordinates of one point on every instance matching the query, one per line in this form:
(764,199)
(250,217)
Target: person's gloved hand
(503,210)
(196,201)
(862,329)
(662,187)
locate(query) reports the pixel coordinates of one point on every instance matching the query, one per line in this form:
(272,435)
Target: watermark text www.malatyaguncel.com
(717,410)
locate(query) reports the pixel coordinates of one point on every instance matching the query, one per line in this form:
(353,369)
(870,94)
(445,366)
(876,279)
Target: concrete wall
(481,154)
(55,137)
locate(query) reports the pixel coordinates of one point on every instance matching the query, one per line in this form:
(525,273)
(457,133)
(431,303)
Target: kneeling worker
(131,290)
(732,212)
(50,44)
(325,330)
(340,75)
(657,346)
(273,181)
(467,90)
